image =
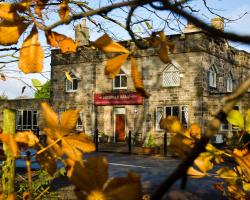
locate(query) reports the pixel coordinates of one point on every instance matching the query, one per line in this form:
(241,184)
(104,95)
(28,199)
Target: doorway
(119,124)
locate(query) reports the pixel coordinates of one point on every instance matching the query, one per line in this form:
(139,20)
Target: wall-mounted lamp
(136,109)
(181,75)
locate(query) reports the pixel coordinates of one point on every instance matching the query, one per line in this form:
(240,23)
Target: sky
(12,87)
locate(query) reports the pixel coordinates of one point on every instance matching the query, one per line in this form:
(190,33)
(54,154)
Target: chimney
(191,28)
(82,34)
(218,23)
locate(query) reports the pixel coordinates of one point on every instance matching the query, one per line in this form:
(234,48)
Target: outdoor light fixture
(181,75)
(136,109)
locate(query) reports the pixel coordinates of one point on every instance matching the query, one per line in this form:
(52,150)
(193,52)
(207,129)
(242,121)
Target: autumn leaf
(242,157)
(65,43)
(8,12)
(61,137)
(39,7)
(92,180)
(171,124)
(203,162)
(31,54)
(10,141)
(195,173)
(195,131)
(67,74)
(235,118)
(137,78)
(27,137)
(47,161)
(64,11)
(163,53)
(113,65)
(247,121)
(106,44)
(228,174)
(11,31)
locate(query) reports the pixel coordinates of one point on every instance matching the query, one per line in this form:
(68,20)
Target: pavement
(153,170)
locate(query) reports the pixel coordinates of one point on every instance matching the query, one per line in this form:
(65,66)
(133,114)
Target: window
(212,77)
(79,124)
(71,86)
(229,84)
(181,112)
(225,126)
(171,76)
(120,81)
(26,120)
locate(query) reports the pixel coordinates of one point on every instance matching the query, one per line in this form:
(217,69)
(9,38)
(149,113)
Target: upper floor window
(26,120)
(181,112)
(71,86)
(212,77)
(229,84)
(120,81)
(171,76)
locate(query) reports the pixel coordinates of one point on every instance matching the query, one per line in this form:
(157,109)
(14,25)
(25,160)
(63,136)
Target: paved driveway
(153,171)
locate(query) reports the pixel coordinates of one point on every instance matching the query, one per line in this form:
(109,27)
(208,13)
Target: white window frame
(70,84)
(181,108)
(24,126)
(229,84)
(120,75)
(212,75)
(170,72)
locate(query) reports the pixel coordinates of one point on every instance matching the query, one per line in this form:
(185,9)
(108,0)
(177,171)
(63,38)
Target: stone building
(203,69)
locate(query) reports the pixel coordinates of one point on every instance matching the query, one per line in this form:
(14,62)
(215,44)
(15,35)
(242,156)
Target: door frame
(119,110)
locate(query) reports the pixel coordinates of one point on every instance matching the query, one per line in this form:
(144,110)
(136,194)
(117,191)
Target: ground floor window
(26,120)
(181,112)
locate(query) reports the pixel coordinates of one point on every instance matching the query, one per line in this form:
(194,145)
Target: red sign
(124,98)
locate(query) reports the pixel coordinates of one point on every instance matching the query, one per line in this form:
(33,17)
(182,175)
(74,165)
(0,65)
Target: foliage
(44,91)
(40,184)
(150,142)
(3,96)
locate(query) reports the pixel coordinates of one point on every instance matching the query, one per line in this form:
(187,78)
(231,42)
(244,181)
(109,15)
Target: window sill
(71,91)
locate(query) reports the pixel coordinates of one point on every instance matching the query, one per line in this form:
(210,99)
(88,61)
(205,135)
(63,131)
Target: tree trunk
(8,166)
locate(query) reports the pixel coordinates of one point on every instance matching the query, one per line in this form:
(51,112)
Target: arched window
(71,86)
(171,76)
(120,81)
(229,83)
(212,75)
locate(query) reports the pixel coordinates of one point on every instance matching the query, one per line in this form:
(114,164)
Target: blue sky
(229,8)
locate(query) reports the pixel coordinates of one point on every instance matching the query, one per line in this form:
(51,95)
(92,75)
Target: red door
(120,127)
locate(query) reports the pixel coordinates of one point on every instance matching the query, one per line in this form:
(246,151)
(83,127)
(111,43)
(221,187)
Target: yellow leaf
(27,137)
(8,12)
(113,65)
(67,74)
(195,173)
(69,119)
(51,118)
(106,44)
(39,7)
(137,79)
(171,124)
(64,11)
(195,131)
(242,157)
(247,121)
(246,186)
(47,161)
(203,162)
(91,177)
(31,54)
(10,141)
(162,36)
(163,53)
(65,43)
(11,31)
(235,118)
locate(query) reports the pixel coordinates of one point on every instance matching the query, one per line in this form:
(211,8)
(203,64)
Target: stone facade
(193,100)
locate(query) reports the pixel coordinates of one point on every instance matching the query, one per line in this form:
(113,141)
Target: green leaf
(247,121)
(148,24)
(36,83)
(235,118)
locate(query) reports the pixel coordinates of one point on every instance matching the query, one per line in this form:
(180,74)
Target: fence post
(96,140)
(8,166)
(129,142)
(165,143)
